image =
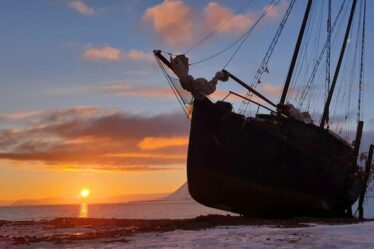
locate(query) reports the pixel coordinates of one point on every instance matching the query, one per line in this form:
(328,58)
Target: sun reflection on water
(83,212)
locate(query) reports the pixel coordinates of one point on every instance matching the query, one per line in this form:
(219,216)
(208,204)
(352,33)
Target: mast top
(325,114)
(295,53)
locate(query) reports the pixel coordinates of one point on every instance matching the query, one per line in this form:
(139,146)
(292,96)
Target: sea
(135,210)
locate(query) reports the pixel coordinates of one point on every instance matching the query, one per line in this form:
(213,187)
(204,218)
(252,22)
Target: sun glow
(85,192)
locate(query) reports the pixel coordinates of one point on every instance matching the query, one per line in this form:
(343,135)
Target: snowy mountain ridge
(181,194)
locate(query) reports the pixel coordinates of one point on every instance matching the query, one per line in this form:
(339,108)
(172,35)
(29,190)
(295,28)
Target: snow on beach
(319,236)
(202,232)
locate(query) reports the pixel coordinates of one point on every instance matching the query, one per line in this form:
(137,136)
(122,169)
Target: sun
(85,192)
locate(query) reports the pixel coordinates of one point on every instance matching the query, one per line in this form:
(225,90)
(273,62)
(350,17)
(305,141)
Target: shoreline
(73,230)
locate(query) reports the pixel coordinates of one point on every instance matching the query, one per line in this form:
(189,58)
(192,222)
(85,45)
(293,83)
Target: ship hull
(267,166)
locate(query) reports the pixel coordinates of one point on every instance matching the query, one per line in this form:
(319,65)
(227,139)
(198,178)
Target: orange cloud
(99,139)
(51,116)
(147,155)
(172,20)
(151,143)
(138,55)
(216,15)
(131,89)
(274,11)
(82,8)
(126,89)
(17,116)
(175,23)
(106,53)
(270,90)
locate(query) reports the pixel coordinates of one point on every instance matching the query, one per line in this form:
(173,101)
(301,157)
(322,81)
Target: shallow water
(138,210)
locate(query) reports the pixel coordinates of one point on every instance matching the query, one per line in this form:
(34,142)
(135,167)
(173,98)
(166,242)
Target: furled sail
(199,87)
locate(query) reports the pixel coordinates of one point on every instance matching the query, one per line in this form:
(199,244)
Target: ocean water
(137,210)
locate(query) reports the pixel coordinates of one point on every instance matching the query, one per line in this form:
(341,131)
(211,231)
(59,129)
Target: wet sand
(73,230)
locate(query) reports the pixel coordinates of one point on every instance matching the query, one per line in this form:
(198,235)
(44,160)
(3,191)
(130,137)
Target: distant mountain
(5,203)
(181,194)
(62,201)
(132,198)
(44,201)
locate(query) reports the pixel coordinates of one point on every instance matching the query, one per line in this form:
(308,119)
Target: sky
(83,102)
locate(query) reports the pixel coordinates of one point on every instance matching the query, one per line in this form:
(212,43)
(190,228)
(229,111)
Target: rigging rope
(350,72)
(360,113)
(316,66)
(270,7)
(328,54)
(357,43)
(180,101)
(304,52)
(218,27)
(243,36)
(264,65)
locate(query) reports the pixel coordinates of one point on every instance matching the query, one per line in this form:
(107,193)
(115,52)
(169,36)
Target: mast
(295,53)
(325,114)
(328,53)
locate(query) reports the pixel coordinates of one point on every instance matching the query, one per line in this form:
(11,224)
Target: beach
(201,232)
(173,224)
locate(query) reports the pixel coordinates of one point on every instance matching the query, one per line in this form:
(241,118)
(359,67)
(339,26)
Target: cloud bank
(175,22)
(94,138)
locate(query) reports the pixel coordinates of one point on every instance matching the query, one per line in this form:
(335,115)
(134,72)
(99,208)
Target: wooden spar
(325,115)
(356,147)
(240,82)
(158,54)
(252,101)
(295,53)
(365,181)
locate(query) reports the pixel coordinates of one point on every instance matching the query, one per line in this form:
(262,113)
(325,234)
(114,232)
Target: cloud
(137,55)
(84,138)
(268,89)
(134,90)
(216,15)
(274,11)
(50,116)
(176,22)
(16,116)
(81,7)
(151,143)
(106,53)
(171,19)
(128,89)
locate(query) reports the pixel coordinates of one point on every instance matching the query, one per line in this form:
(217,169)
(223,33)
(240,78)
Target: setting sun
(85,192)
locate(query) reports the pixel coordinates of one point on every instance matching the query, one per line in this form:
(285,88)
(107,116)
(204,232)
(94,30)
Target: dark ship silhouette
(270,165)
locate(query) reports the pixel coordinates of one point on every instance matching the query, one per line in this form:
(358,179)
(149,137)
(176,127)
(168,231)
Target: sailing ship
(279,164)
